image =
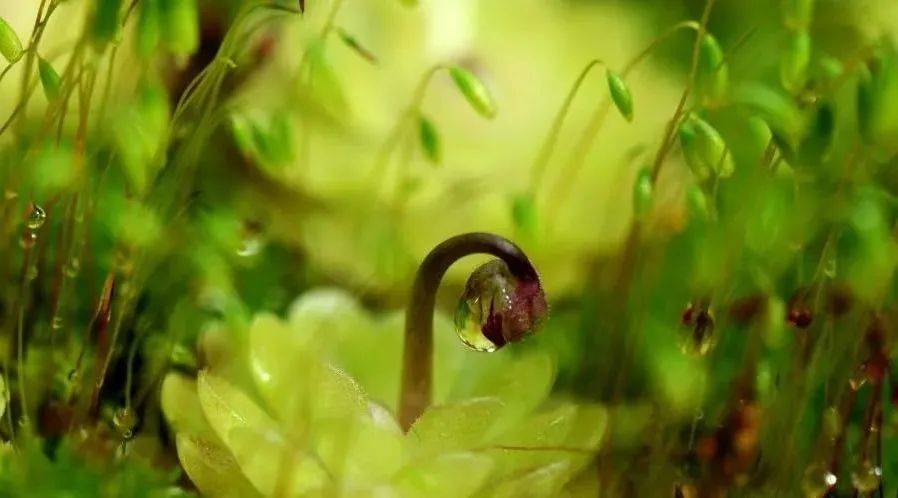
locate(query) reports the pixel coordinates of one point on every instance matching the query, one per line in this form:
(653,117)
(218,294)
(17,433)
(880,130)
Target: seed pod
(49,79)
(704,148)
(474,91)
(10,46)
(180,24)
(795,61)
(713,73)
(620,95)
(642,192)
(430,140)
(523,212)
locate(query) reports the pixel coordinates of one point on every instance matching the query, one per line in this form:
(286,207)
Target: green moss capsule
(642,192)
(180,24)
(704,148)
(430,140)
(713,72)
(795,61)
(620,95)
(474,91)
(49,79)
(10,45)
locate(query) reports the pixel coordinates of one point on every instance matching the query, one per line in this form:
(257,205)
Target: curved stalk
(417,360)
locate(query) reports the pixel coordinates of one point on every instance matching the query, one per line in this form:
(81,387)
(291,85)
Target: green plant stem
(548,146)
(417,358)
(406,118)
(587,139)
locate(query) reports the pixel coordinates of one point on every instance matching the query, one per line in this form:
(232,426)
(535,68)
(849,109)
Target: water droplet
(36,217)
(497,308)
(124,421)
(817,481)
(866,476)
(29,238)
(72,268)
(249,246)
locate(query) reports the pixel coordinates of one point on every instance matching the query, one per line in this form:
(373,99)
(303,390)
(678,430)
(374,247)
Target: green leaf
(212,468)
(430,140)
(474,91)
(10,45)
(620,95)
(274,465)
(456,426)
(351,42)
(227,408)
(49,79)
(181,406)
(542,481)
(456,475)
(642,192)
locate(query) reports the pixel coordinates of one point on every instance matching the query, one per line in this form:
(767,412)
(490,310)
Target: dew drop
(496,308)
(866,476)
(36,217)
(124,421)
(817,481)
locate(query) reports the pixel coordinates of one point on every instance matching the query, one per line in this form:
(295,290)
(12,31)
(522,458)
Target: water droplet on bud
(36,217)
(497,308)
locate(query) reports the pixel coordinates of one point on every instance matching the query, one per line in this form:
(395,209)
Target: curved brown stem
(417,360)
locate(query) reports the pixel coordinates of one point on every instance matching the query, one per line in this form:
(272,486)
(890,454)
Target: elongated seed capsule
(49,79)
(713,72)
(474,91)
(642,192)
(688,135)
(704,148)
(620,95)
(795,61)
(430,140)
(10,46)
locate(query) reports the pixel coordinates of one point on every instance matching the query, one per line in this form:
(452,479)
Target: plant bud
(704,149)
(430,140)
(620,95)
(642,192)
(497,308)
(10,46)
(474,91)
(49,79)
(795,61)
(713,72)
